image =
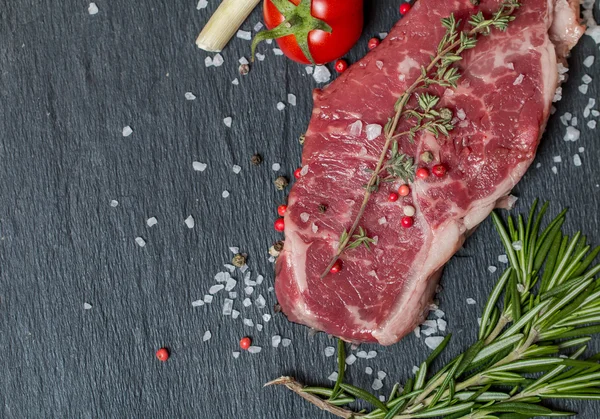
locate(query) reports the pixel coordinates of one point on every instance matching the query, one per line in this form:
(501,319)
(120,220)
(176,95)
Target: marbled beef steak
(501,105)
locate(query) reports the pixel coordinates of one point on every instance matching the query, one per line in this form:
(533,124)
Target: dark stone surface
(69,83)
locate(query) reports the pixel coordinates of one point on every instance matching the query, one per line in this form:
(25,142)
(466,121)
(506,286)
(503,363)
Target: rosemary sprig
(425,116)
(519,360)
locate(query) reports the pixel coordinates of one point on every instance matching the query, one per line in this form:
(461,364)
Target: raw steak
(501,106)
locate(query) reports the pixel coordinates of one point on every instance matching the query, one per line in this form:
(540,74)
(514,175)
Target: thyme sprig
(533,334)
(426,117)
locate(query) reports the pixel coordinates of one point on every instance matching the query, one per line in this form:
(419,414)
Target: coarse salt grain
(87,306)
(379,64)
(235,314)
(222,276)
(259,327)
(321,74)
(127,131)
(215,289)
(236,169)
(460,114)
(208,299)
(260,302)
(235,354)
(207,336)
(247,302)
(275,341)
(518,245)
(230,284)
(441,323)
(304,217)
(350,359)
(554,170)
(189,222)
(361,354)
(199,167)
(259,279)
(591,124)
(329,351)
(577,160)
(197,303)
(309,70)
(557,159)
(355,128)
(586,79)
(208,62)
(280,106)
(151,221)
(286,342)
(202,4)
(246,35)
(583,88)
(428,331)
(190,96)
(368,370)
(433,341)
(277,51)
(382,220)
(314,228)
(141,242)
(260,57)
(254,349)
(373,131)
(114,203)
(589,61)
(248,322)
(228,121)
(235,82)
(519,80)
(333,376)
(225,194)
(438,313)
(258,27)
(218,60)
(381,375)
(371,354)
(92,9)
(276,167)
(249,290)
(377,384)
(470,301)
(266,317)
(503,259)
(291,98)
(233,295)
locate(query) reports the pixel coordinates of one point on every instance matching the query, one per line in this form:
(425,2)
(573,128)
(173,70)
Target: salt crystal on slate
(373,131)
(321,74)
(595,112)
(285,342)
(258,26)
(276,167)
(247,302)
(492,268)
(260,57)
(583,88)
(266,317)
(233,295)
(215,289)
(235,354)
(329,351)
(259,279)
(225,194)
(197,303)
(277,51)
(114,203)
(230,284)
(369,370)
(554,170)
(577,160)
(235,82)
(438,313)
(141,242)
(557,94)
(518,245)
(127,131)
(565,118)
(581,149)
(244,268)
(586,79)
(417,331)
(333,376)
(207,336)
(291,99)
(371,354)
(381,375)
(218,60)
(503,259)
(280,106)
(199,167)
(202,4)
(574,122)
(382,35)
(430,323)
(377,384)
(246,35)
(248,322)
(189,222)
(208,62)
(275,341)
(235,314)
(208,299)
(538,165)
(428,331)
(87,306)
(471,301)
(362,354)
(152,221)
(433,341)
(249,290)
(309,70)
(190,96)
(350,359)
(589,61)
(415,369)
(235,250)
(591,124)
(236,169)
(260,302)
(227,121)
(92,9)
(222,276)
(259,327)
(254,349)
(557,159)
(442,324)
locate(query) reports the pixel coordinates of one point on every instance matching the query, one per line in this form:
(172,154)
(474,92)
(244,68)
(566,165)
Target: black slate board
(69,83)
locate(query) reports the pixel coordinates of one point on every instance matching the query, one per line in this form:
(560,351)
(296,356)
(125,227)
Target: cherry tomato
(345,17)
